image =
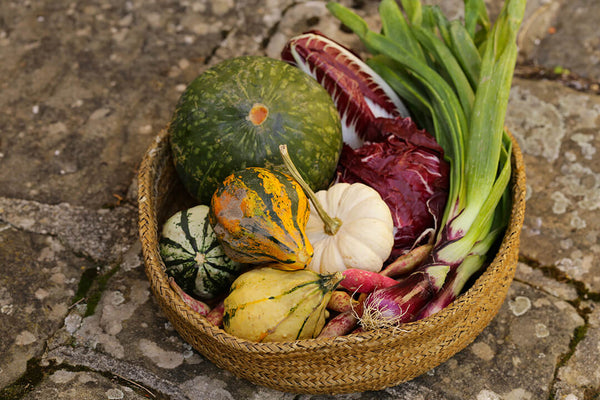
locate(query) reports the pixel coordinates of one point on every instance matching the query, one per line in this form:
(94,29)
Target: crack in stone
(578,335)
(551,271)
(213,51)
(275,28)
(38,369)
(570,79)
(33,375)
(583,294)
(105,365)
(99,235)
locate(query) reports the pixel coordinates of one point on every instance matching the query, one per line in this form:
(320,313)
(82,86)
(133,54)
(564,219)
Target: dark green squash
(236,114)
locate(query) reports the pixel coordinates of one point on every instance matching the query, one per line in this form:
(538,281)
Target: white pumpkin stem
(332,225)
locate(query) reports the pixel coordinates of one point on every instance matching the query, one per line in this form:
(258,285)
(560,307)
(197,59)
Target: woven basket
(358,362)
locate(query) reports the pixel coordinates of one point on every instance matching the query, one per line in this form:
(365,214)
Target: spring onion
(455,78)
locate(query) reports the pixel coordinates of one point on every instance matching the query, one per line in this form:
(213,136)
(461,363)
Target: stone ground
(85,87)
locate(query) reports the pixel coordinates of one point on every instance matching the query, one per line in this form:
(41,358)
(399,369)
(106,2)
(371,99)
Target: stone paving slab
(571,44)
(83,385)
(86,87)
(557,129)
(38,279)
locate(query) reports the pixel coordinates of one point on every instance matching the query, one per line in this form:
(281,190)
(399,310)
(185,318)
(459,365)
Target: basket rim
(367,338)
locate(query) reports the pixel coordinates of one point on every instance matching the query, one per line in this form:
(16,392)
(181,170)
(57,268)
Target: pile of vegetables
(339,195)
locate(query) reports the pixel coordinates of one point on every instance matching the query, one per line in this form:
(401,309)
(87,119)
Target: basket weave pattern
(367,361)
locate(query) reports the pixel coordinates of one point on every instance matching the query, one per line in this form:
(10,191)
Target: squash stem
(332,225)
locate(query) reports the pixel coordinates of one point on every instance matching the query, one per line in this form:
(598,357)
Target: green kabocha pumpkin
(259,216)
(236,114)
(193,256)
(268,304)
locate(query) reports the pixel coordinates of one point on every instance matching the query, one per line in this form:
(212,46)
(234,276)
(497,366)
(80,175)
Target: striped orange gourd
(259,216)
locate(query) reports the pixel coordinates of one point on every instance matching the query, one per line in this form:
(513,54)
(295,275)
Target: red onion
(394,305)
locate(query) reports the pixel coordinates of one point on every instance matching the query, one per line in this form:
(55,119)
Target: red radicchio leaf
(358,92)
(406,166)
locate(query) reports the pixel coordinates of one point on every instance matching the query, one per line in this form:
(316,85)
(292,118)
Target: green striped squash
(237,113)
(260,216)
(193,256)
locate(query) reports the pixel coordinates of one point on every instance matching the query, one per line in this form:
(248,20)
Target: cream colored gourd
(268,304)
(349,226)
(365,237)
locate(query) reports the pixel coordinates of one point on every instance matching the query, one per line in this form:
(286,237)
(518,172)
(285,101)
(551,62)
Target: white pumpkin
(364,237)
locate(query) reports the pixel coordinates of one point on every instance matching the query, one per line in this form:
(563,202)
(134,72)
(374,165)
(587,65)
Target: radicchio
(406,166)
(358,92)
(382,148)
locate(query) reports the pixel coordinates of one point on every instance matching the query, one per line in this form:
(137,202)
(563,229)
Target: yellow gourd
(268,304)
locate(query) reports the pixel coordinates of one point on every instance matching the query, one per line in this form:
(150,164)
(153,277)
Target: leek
(455,78)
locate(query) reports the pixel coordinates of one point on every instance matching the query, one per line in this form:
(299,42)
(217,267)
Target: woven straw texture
(358,362)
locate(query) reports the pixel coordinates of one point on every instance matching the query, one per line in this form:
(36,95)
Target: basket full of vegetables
(321,209)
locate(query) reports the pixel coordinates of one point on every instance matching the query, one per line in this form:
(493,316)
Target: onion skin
(403,302)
